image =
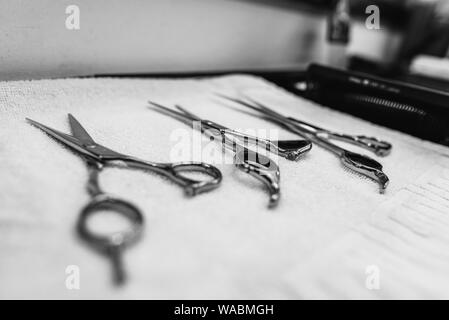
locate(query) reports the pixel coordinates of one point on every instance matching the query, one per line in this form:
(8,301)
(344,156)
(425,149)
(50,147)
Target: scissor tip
(37,124)
(224,96)
(31,121)
(274,200)
(383,181)
(155,104)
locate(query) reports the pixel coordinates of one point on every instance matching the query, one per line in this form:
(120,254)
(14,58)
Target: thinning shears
(247,160)
(354,161)
(98,157)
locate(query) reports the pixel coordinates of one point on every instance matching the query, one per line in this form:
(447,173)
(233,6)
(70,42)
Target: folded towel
(331,225)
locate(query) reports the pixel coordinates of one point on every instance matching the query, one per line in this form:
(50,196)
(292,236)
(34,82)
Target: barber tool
(354,161)
(291,150)
(253,163)
(98,157)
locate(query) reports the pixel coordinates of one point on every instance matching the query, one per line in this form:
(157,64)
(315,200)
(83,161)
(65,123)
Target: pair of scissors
(259,166)
(354,161)
(98,157)
(291,150)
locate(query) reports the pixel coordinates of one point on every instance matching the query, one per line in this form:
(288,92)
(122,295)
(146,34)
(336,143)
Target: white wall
(122,36)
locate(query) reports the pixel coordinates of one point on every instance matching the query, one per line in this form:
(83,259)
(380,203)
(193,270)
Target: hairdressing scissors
(354,161)
(251,162)
(288,149)
(98,157)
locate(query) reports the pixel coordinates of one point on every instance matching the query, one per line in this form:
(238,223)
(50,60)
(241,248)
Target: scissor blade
(238,101)
(254,106)
(178,115)
(79,132)
(187,113)
(264,109)
(62,137)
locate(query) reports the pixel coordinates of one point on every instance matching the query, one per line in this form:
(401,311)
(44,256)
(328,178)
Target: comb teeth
(388,103)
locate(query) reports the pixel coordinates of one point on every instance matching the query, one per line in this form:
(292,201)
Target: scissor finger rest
(111,245)
(366,166)
(293,149)
(262,168)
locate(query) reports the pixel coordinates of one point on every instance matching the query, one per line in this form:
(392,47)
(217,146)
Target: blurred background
(406,41)
(164,36)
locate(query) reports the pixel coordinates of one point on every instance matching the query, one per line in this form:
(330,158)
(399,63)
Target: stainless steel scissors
(354,161)
(249,161)
(98,157)
(289,149)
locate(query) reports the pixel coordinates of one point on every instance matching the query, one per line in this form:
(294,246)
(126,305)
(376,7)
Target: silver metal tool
(378,147)
(356,162)
(98,157)
(289,149)
(251,162)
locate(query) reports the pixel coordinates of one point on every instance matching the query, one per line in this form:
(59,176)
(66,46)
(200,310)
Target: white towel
(331,227)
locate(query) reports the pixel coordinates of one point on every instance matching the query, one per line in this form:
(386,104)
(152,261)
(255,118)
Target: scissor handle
(366,166)
(263,169)
(103,243)
(293,149)
(193,187)
(175,171)
(378,147)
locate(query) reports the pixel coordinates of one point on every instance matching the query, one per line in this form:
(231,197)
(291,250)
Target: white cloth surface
(330,226)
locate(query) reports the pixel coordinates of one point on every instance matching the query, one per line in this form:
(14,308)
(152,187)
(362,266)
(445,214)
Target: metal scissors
(288,149)
(354,161)
(98,157)
(249,161)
